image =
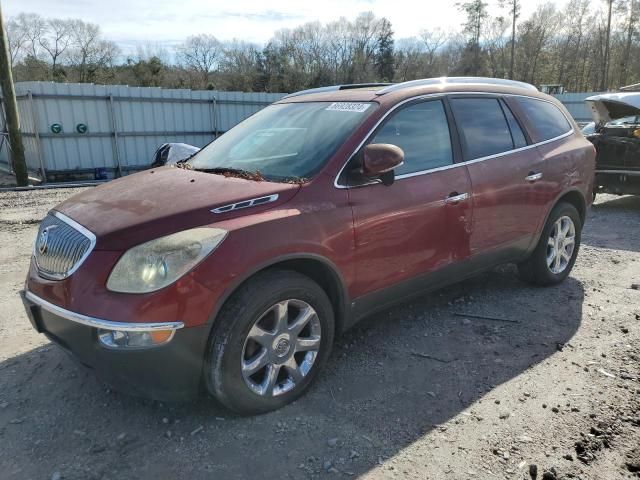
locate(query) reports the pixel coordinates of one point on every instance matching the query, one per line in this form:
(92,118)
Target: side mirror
(380,159)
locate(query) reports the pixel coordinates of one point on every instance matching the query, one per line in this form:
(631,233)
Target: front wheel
(556,252)
(270,340)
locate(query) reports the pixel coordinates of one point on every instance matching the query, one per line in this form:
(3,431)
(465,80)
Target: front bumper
(172,371)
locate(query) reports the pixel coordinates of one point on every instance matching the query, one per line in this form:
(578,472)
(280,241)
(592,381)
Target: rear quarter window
(544,118)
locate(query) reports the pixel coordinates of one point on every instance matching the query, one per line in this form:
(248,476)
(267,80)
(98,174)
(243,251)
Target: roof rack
(630,88)
(335,88)
(451,80)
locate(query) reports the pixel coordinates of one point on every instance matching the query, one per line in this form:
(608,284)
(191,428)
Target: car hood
(150,204)
(610,106)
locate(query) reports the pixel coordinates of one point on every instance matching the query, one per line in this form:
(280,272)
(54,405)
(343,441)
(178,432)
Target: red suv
(234,271)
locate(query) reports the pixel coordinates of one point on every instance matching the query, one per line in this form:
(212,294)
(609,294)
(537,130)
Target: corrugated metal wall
(124,125)
(576,106)
(29,142)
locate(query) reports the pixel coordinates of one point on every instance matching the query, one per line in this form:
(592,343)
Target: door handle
(456,197)
(532,177)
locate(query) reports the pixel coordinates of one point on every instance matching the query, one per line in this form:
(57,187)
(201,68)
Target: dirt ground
(549,388)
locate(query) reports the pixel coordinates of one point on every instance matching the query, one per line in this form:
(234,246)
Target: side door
(506,176)
(420,223)
(562,151)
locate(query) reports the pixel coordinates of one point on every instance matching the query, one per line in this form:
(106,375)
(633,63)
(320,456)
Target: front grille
(61,246)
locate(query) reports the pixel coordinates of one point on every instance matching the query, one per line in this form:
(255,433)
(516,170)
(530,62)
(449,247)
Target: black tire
(535,269)
(223,372)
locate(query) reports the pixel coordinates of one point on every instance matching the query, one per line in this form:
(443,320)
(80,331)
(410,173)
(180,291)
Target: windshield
(285,141)
(630,120)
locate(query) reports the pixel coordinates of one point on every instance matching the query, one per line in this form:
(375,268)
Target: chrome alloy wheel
(561,244)
(281,348)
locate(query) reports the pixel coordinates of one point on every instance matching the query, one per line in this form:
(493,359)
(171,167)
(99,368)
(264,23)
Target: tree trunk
(626,56)
(513,39)
(604,84)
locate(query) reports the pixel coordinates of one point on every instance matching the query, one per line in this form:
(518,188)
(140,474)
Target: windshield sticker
(348,107)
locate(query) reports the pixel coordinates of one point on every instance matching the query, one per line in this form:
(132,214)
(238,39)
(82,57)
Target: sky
(132,23)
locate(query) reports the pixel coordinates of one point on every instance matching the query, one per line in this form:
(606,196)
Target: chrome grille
(61,246)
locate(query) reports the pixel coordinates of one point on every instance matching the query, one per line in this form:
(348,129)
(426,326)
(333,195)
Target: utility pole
(11,109)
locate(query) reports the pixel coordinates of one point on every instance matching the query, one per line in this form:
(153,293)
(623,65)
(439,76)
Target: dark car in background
(616,135)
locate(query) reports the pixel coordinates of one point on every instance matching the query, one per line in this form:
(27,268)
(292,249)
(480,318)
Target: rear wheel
(271,339)
(556,252)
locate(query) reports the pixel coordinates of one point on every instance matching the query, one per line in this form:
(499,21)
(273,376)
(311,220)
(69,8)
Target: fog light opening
(127,339)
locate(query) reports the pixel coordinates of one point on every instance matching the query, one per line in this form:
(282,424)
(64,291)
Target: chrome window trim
(620,172)
(98,322)
(75,225)
(453,165)
(252,202)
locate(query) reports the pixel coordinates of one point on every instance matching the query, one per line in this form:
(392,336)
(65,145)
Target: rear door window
(544,117)
(421,130)
(482,126)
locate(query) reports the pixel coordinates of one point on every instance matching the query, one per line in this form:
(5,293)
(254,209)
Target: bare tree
(605,63)
(433,40)
(513,6)
(534,39)
(33,27)
(633,7)
(89,53)
(578,48)
(201,53)
(239,67)
(84,36)
(17,39)
(55,40)
(495,43)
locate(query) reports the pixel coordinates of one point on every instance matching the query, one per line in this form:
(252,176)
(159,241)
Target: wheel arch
(575,198)
(318,268)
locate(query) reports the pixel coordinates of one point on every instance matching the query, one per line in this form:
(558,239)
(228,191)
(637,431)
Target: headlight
(155,264)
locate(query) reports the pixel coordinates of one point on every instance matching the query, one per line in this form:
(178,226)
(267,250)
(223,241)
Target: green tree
(472,56)
(384,60)
(148,73)
(477,14)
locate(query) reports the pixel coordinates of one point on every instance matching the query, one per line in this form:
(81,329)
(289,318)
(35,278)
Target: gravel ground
(546,387)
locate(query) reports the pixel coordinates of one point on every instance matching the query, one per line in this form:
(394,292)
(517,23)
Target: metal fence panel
(125,125)
(576,106)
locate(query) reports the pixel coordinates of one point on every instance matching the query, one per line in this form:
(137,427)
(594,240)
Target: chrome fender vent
(253,202)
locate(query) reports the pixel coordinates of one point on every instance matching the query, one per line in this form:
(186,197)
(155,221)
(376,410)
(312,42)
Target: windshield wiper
(184,163)
(234,172)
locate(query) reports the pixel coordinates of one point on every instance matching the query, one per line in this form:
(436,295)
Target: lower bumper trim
(98,322)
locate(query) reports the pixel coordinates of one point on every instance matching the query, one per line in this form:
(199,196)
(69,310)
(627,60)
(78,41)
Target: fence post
(4,134)
(114,128)
(215,117)
(43,172)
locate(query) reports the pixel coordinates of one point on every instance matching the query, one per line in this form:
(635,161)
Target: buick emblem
(43,239)
(282,347)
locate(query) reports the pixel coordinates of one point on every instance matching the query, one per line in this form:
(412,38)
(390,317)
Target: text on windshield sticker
(348,107)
